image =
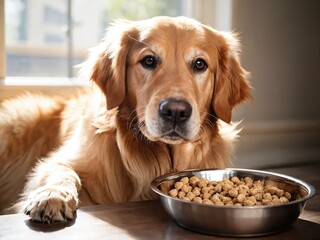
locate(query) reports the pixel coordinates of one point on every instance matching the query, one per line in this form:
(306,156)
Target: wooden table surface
(148,220)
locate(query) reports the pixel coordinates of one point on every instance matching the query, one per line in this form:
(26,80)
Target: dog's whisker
(131,119)
(137,127)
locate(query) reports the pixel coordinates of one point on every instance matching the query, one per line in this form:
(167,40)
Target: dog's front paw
(51,204)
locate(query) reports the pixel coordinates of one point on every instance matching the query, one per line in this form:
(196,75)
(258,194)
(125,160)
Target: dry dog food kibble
(229,192)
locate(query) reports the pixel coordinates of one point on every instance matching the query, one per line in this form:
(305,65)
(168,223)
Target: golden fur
(107,144)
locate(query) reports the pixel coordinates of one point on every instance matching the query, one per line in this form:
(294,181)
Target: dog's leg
(51,193)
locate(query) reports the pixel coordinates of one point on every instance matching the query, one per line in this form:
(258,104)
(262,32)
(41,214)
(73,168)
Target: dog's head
(173,74)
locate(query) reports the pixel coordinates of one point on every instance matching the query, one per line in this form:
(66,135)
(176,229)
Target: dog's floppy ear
(231,84)
(106,64)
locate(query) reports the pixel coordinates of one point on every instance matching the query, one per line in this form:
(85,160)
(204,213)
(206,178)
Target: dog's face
(174,74)
(170,80)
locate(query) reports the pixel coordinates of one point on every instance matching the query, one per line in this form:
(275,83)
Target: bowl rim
(311,191)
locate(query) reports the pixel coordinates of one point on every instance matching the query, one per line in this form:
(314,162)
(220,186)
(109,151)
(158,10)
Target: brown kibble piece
(173,192)
(227,181)
(225,200)
(213,183)
(181,194)
(190,195)
(218,188)
(276,201)
(279,192)
(215,198)
(185,188)
(226,187)
(206,189)
(193,181)
(287,195)
(178,185)
(202,183)
(197,200)
(235,180)
(253,191)
(241,197)
(207,201)
(186,199)
(247,202)
(233,192)
(206,195)
(252,199)
(271,189)
(219,203)
(267,196)
(184,180)
(283,200)
(196,191)
(258,196)
(266,202)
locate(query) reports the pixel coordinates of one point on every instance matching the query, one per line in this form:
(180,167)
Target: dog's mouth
(170,136)
(173,136)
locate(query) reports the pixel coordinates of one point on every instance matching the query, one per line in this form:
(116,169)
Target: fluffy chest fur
(127,162)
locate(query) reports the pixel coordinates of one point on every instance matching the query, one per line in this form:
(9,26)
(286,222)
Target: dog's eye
(149,62)
(200,65)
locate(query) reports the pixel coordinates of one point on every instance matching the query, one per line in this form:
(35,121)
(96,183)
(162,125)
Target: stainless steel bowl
(235,221)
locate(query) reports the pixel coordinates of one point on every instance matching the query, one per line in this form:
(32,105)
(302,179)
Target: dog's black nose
(176,111)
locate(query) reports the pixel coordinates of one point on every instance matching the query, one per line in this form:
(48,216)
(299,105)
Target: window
(47,38)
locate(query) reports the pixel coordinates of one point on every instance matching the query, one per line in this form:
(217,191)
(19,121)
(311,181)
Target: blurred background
(281,49)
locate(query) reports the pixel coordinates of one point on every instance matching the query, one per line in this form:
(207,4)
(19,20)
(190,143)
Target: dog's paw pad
(49,205)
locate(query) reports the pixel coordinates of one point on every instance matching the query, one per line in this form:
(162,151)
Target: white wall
(281,48)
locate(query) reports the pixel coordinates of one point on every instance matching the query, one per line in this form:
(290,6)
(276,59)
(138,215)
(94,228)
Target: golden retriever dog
(162,94)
